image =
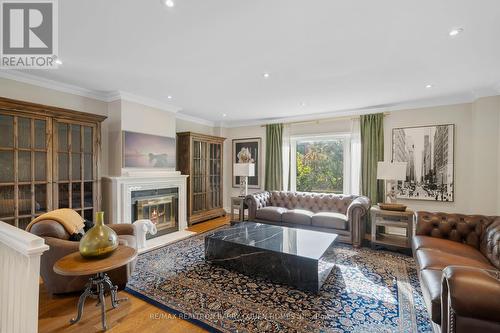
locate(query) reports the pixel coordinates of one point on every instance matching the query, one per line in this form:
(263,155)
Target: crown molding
(194,119)
(466,97)
(122,95)
(53,85)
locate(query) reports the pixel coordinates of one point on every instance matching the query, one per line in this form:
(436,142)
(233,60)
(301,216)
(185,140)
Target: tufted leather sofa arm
(257,201)
(470,295)
(358,208)
(467,229)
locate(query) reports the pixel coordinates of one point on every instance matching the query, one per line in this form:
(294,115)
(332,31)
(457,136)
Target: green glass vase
(100,241)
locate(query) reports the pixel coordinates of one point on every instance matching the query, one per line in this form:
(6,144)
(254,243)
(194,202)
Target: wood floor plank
(132,316)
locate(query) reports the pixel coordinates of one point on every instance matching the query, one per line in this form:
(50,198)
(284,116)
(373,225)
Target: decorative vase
(100,241)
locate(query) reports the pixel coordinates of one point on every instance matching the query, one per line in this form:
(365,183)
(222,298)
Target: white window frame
(322,137)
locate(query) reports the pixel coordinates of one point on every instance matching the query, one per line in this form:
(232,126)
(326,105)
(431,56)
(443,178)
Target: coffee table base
(96,288)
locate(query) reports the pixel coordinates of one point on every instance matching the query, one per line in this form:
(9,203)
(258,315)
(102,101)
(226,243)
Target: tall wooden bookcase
(49,159)
(200,157)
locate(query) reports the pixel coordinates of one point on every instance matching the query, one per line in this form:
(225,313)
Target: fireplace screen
(158,206)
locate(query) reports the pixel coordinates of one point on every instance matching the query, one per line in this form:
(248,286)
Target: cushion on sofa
(330,220)
(447,246)
(435,259)
(431,280)
(270,213)
(297,216)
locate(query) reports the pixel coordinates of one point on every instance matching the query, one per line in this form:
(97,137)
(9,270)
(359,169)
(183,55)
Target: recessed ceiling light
(58,61)
(224,115)
(429,86)
(455,31)
(266,75)
(303,104)
(169,97)
(168,3)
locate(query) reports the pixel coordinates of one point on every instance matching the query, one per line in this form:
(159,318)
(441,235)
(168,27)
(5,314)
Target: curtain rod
(323,119)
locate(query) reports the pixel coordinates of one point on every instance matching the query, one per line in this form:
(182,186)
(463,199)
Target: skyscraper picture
(428,152)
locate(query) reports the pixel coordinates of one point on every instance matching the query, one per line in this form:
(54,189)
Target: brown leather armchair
(458,261)
(58,240)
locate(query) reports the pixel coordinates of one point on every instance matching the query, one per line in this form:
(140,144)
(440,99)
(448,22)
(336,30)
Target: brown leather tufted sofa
(57,238)
(458,261)
(340,214)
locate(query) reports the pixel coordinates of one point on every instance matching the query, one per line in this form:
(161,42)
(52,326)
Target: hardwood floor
(133,315)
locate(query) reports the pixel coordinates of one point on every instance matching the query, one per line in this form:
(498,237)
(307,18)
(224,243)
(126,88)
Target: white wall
(476,152)
(189,126)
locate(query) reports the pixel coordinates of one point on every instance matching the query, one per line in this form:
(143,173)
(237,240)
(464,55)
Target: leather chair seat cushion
(330,220)
(297,216)
(431,290)
(435,259)
(270,213)
(447,246)
(127,240)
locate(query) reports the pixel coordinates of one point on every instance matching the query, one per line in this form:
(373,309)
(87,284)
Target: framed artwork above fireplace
(148,151)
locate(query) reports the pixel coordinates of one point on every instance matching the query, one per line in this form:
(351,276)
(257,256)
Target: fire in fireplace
(160,206)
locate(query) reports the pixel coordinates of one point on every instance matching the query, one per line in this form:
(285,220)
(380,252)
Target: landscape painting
(428,152)
(148,151)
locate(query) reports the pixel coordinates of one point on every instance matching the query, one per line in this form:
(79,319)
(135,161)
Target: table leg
(81,303)
(103,304)
(113,292)
(95,288)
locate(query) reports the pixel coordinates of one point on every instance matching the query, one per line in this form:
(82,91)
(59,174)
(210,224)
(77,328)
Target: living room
(329,166)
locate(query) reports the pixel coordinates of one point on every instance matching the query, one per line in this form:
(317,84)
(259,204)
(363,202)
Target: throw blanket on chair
(68,218)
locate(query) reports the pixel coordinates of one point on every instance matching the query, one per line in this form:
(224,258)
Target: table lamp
(244,170)
(391,172)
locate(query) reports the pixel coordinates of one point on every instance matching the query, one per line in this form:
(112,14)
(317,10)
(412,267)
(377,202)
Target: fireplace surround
(164,191)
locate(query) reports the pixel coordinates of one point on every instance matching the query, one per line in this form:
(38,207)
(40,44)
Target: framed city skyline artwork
(429,154)
(248,151)
(148,151)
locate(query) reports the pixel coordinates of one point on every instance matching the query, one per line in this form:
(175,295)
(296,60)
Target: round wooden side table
(75,265)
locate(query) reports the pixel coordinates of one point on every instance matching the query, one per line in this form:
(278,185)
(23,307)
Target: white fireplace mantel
(117,193)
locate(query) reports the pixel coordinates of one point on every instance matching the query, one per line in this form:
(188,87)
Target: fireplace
(158,205)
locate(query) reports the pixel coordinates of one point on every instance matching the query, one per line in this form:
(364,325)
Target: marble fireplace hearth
(118,202)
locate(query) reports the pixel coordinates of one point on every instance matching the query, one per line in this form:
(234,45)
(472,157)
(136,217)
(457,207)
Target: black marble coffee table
(285,255)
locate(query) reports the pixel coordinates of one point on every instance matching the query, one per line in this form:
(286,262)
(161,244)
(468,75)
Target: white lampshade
(391,170)
(244,169)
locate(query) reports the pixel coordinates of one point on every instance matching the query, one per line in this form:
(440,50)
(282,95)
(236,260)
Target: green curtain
(372,151)
(274,157)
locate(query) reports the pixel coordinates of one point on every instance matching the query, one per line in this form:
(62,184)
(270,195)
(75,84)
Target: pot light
(169,97)
(168,3)
(224,115)
(303,104)
(429,86)
(455,32)
(266,75)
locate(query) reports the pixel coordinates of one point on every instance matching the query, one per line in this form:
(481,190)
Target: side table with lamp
(242,170)
(392,223)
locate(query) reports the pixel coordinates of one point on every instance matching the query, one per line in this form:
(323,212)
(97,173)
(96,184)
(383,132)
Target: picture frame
(147,151)
(429,152)
(254,148)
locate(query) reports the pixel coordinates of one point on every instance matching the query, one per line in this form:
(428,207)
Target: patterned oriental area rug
(367,291)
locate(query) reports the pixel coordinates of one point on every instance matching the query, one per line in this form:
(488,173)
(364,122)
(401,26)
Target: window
(321,164)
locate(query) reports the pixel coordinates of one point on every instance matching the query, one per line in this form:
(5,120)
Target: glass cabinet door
(75,167)
(199,174)
(25,173)
(215,176)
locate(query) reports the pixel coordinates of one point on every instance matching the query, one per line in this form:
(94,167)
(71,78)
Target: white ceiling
(331,55)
